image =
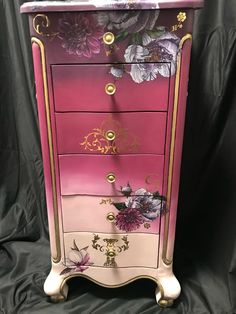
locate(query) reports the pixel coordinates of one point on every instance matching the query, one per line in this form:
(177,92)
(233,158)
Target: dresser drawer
(94,175)
(136,213)
(91,249)
(94,88)
(117,133)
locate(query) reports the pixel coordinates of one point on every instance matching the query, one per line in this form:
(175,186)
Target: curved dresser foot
(167,291)
(55,287)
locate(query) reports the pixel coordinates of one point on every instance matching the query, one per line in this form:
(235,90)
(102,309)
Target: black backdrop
(205,254)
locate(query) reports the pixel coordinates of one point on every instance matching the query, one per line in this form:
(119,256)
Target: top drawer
(111,36)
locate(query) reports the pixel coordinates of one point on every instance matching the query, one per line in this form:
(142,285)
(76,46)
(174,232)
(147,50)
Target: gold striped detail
(37,41)
(172,149)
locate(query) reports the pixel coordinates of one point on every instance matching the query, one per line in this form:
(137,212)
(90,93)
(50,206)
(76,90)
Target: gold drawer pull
(108,38)
(110,89)
(111,178)
(110,135)
(111,253)
(111,217)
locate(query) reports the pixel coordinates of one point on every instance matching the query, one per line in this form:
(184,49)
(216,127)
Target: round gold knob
(111,178)
(108,38)
(111,217)
(111,253)
(110,135)
(110,89)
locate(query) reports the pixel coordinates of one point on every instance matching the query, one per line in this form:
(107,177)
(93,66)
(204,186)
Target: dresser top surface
(90,5)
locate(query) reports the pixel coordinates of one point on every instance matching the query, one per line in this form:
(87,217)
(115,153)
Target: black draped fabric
(205,251)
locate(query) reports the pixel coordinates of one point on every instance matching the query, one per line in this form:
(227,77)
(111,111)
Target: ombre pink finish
(86,174)
(78,212)
(82,88)
(79,64)
(74,130)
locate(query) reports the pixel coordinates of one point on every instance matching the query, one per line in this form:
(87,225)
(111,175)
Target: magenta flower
(129,219)
(80,34)
(78,260)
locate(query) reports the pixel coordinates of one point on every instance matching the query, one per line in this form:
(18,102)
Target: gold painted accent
(172,149)
(111,248)
(41,24)
(111,178)
(37,41)
(124,141)
(165,303)
(110,89)
(110,135)
(181,17)
(108,38)
(111,217)
(106,201)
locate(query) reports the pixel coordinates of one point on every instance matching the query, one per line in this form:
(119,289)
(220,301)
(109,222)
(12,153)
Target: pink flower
(129,219)
(80,34)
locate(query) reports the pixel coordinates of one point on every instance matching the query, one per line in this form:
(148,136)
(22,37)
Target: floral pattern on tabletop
(77,261)
(139,209)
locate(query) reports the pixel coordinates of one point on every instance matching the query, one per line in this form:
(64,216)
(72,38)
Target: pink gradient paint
(82,88)
(77,133)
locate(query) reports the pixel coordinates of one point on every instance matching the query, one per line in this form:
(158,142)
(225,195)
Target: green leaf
(136,39)
(155,33)
(121,36)
(119,206)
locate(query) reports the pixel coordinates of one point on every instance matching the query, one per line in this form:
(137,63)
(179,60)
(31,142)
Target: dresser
(111,82)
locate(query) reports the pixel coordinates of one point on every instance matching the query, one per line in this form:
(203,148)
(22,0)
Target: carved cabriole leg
(55,286)
(168,288)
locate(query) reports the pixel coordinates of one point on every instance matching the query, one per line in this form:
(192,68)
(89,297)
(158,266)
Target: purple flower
(155,56)
(128,21)
(149,206)
(78,260)
(80,34)
(126,190)
(129,219)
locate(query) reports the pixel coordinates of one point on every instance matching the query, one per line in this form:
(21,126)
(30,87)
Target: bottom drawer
(83,250)
(113,214)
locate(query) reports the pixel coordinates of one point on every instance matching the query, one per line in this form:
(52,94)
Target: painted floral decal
(80,34)
(151,49)
(141,208)
(78,260)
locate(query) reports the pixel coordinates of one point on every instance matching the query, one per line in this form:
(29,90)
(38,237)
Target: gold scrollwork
(105,201)
(110,249)
(97,141)
(41,25)
(181,17)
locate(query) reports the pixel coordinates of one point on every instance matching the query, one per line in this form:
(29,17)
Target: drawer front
(81,37)
(94,175)
(83,250)
(113,214)
(117,133)
(94,88)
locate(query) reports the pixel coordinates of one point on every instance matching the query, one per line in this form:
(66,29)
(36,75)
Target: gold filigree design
(165,258)
(97,141)
(41,25)
(181,17)
(111,249)
(105,201)
(56,257)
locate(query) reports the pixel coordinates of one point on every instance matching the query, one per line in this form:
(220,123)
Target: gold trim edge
(172,148)
(50,146)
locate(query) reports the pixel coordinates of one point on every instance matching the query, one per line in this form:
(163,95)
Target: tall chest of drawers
(111,81)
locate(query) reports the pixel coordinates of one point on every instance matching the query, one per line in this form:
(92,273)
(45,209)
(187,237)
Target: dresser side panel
(44,145)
